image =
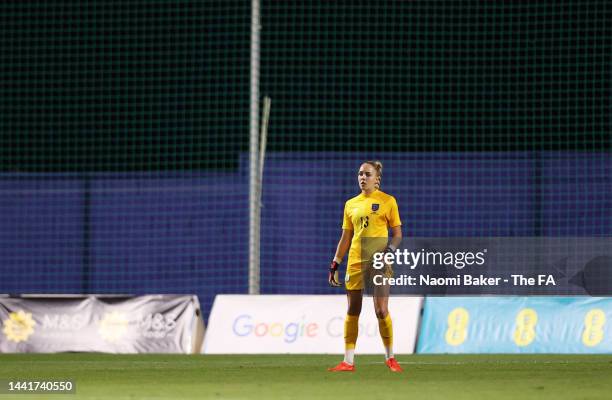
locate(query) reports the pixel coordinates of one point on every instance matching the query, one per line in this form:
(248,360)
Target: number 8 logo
(594,322)
(526,321)
(457,326)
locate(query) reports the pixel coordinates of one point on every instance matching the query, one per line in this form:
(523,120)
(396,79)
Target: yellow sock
(351,330)
(385,327)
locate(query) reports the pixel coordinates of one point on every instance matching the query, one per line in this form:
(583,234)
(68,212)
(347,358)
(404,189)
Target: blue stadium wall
(188,233)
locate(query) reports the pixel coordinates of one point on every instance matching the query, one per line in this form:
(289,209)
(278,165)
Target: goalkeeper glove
(333,278)
(389,249)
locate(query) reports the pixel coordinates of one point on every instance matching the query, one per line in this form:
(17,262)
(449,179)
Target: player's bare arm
(343,245)
(396,236)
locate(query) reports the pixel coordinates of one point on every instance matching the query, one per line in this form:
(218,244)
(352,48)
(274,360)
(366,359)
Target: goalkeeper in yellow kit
(370,214)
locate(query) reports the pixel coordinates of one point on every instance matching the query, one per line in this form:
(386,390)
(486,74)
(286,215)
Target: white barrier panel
(247,324)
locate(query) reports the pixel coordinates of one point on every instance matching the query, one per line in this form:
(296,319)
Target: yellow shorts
(356,277)
(353,279)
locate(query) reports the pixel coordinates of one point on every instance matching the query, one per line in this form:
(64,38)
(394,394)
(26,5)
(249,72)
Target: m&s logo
(245,325)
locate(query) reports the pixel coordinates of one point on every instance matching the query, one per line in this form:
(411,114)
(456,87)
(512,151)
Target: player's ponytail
(379,169)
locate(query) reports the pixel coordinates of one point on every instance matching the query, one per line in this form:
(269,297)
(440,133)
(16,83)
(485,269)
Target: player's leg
(385,327)
(351,330)
(351,324)
(354,294)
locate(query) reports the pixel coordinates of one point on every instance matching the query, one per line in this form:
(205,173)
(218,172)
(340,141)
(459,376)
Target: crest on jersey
(375,206)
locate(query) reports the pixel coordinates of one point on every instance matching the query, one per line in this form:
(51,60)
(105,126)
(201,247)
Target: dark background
(160,85)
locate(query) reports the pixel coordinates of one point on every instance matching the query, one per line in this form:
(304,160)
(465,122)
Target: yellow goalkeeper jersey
(369,216)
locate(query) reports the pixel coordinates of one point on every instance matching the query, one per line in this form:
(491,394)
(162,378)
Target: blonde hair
(379,169)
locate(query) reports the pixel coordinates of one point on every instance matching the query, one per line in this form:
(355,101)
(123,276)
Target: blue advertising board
(516,325)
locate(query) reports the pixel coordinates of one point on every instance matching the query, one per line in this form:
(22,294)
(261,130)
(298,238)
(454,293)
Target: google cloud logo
(245,325)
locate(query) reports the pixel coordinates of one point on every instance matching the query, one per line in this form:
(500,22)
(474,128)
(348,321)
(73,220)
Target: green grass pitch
(455,377)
